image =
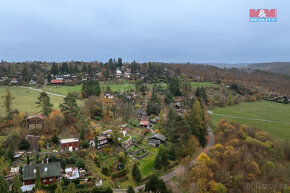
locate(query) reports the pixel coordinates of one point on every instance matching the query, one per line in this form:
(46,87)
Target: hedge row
(119,174)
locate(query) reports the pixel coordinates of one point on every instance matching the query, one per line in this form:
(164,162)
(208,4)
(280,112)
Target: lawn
(259,110)
(115,87)
(24,100)
(202,84)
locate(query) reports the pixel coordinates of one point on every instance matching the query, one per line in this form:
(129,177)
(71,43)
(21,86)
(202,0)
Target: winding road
(170,175)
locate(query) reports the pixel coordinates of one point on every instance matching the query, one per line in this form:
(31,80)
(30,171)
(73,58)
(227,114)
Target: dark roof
(158,136)
(46,170)
(35,116)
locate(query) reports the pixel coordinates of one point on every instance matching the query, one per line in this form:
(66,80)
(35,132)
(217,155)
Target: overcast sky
(144,30)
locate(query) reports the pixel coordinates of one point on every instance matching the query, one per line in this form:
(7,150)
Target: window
(34,171)
(45,169)
(50,179)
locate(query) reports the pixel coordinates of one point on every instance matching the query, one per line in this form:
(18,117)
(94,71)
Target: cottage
(108,96)
(56,81)
(32,82)
(102,140)
(49,173)
(71,144)
(14,81)
(35,122)
(144,121)
(156,140)
(72,173)
(34,142)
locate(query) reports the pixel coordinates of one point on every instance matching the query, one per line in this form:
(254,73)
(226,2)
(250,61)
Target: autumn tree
(55,120)
(69,108)
(230,100)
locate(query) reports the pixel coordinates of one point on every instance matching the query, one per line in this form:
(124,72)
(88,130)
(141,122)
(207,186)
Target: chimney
(46,160)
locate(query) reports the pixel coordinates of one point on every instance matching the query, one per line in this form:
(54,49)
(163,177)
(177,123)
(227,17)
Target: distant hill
(275,67)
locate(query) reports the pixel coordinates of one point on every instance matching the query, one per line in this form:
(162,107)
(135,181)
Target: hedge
(119,174)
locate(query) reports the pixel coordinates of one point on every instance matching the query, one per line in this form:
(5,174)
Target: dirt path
(170,175)
(39,90)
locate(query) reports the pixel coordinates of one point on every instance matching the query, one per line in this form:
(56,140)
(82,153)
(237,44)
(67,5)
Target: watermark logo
(263,15)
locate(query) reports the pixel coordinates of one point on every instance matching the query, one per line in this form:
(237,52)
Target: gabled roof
(46,170)
(158,136)
(36,116)
(69,140)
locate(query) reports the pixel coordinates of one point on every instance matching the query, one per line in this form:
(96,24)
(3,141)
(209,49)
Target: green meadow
(264,110)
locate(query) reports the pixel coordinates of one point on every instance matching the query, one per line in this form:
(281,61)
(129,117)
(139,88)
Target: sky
(196,31)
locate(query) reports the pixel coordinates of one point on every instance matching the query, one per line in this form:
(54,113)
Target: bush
(84,144)
(24,145)
(54,139)
(119,174)
(106,171)
(80,163)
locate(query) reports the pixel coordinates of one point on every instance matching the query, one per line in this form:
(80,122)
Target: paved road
(39,90)
(170,175)
(253,119)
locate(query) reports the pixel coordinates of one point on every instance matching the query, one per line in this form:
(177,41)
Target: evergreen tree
(196,121)
(120,63)
(162,158)
(71,188)
(69,108)
(44,104)
(71,69)
(130,190)
(84,68)
(25,73)
(38,180)
(154,105)
(16,184)
(58,189)
(156,185)
(96,141)
(136,174)
(76,69)
(90,69)
(8,103)
(10,152)
(54,69)
(174,85)
(168,98)
(4,187)
(64,68)
(90,88)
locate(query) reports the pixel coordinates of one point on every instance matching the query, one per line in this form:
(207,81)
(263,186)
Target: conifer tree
(44,104)
(136,174)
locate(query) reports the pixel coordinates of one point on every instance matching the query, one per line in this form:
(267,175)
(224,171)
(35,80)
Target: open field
(63,90)
(263,110)
(24,100)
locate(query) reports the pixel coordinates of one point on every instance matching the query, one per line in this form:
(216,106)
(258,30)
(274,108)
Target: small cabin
(70,144)
(156,140)
(35,122)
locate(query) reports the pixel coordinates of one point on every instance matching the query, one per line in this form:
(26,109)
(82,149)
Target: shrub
(24,145)
(106,171)
(80,163)
(119,174)
(54,139)
(84,144)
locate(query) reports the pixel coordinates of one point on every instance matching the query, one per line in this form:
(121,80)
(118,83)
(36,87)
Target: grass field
(63,90)
(259,110)
(24,100)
